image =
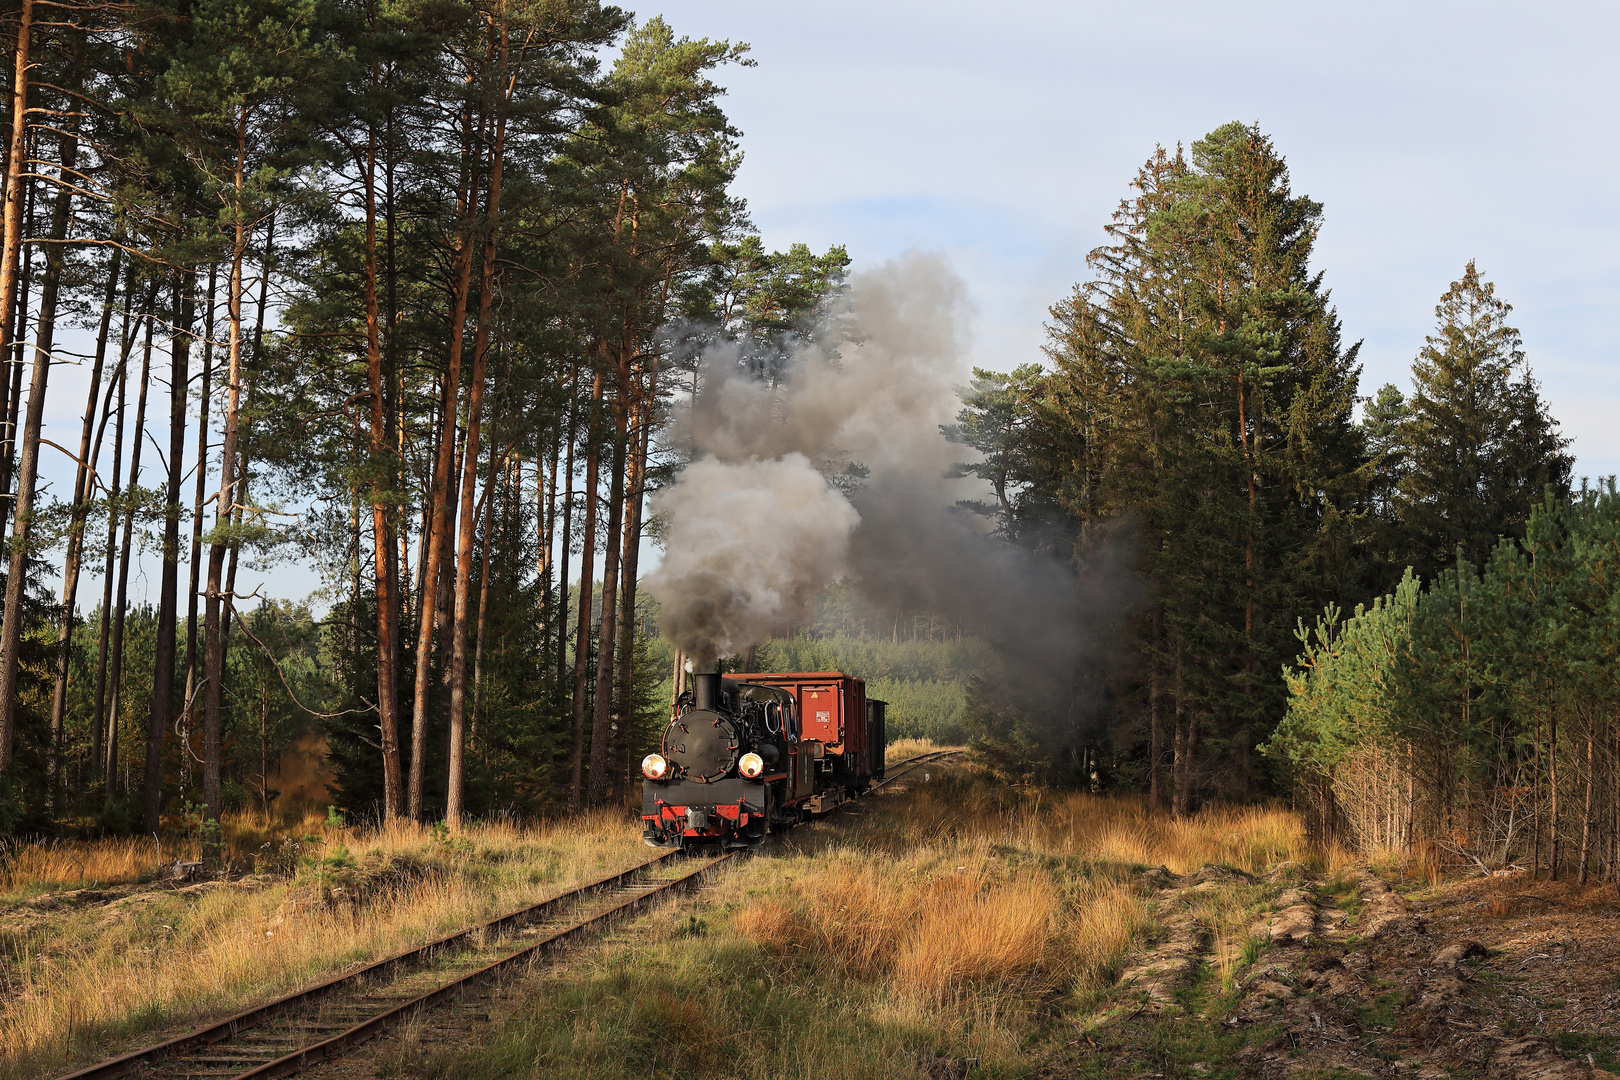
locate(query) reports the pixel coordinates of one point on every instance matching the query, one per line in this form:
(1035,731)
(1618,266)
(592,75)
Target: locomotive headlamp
(751,765)
(653,766)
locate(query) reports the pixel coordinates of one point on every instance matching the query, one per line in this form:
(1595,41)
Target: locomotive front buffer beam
(730,811)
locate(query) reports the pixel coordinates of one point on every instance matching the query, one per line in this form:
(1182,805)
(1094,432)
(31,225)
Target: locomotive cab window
(777,713)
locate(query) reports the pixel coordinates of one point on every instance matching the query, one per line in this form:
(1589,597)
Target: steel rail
(249,1018)
(311,1055)
(913,762)
(299,1059)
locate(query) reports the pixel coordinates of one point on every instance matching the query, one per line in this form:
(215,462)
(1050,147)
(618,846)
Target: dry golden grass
(890,932)
(928,931)
(71,863)
(978,885)
(901,749)
(162,955)
(1118,829)
(251,839)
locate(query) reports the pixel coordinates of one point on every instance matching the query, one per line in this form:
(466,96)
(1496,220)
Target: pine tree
(1480,444)
(1385,546)
(245,94)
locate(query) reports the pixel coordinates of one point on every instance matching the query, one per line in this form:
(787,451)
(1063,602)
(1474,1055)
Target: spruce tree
(1382,418)
(1480,444)
(1205,370)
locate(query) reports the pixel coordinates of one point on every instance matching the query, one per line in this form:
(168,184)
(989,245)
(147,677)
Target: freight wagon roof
(800,675)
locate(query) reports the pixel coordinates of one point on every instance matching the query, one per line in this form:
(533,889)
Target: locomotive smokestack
(705,688)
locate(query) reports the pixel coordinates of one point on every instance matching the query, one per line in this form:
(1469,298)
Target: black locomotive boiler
(748,754)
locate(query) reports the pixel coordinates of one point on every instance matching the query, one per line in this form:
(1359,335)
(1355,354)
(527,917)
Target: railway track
(899,769)
(294,1032)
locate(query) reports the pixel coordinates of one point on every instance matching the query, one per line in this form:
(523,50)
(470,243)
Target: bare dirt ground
(1507,979)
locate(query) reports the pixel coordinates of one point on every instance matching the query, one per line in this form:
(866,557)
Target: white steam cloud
(754,529)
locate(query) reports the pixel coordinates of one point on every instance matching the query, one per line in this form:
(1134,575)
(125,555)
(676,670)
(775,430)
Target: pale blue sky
(1004,135)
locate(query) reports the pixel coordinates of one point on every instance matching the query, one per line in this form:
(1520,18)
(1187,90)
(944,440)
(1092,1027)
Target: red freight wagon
(748,753)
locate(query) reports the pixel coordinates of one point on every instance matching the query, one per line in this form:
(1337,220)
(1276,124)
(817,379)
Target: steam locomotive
(744,755)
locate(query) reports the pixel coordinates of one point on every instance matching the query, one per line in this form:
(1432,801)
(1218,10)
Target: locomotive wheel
(771,822)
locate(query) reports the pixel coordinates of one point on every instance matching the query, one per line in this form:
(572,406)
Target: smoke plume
(1042,614)
(748,544)
(757,524)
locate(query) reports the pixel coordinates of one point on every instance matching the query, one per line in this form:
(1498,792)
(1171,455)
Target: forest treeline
(406,292)
(401,291)
(1478,712)
(1199,410)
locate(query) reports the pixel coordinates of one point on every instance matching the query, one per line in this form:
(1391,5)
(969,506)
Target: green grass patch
(1381,1013)
(1605,1049)
(705,1003)
(1346,896)
(1192,1045)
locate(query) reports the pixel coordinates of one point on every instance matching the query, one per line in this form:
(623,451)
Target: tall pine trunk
(441,513)
(19,363)
(545,488)
(1586,813)
(198,503)
(607,629)
(13,315)
(629,562)
(169,585)
(1156,791)
(567,541)
(83,478)
(224,510)
(1186,743)
(115,673)
(11,624)
(244,454)
(385,581)
(483,601)
(469,470)
(587,588)
(98,724)
(18,356)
